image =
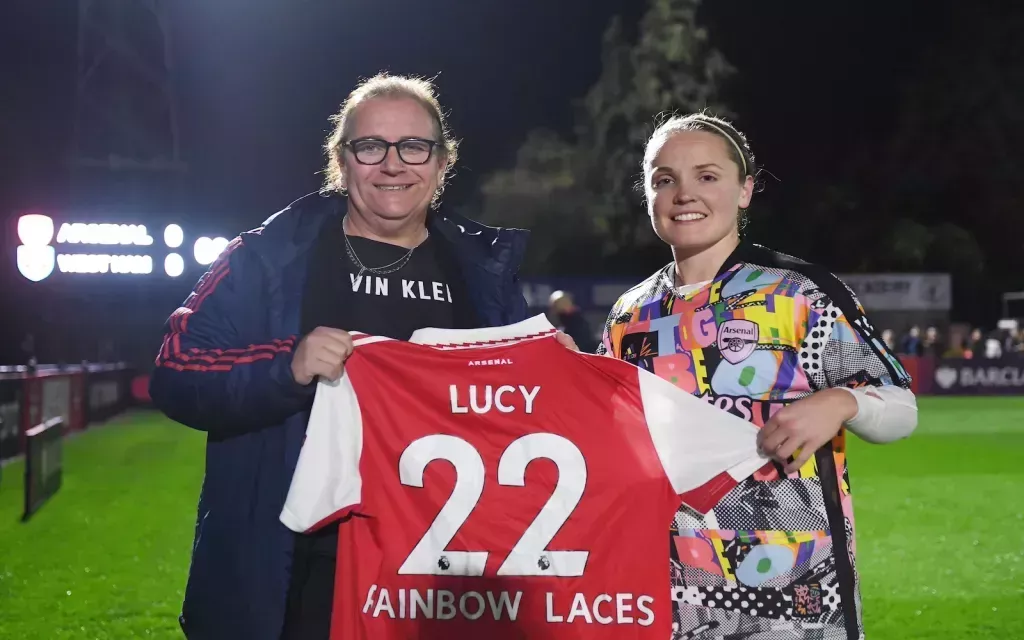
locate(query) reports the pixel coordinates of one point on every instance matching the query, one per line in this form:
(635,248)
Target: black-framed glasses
(374,150)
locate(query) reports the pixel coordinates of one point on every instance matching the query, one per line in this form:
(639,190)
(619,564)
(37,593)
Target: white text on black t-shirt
(412,289)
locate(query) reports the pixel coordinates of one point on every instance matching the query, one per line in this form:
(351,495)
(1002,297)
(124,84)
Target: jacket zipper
(840,547)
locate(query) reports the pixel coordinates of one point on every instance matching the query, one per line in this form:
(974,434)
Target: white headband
(728,137)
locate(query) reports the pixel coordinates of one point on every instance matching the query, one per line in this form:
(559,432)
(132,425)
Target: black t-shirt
(428,291)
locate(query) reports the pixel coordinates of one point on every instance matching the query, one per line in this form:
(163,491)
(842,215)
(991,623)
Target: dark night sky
(258,78)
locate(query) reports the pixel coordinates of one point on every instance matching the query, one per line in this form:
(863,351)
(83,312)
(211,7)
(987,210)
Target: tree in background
(928,184)
(580,195)
(939,192)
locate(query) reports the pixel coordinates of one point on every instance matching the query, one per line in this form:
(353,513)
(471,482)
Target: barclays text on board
(1003,376)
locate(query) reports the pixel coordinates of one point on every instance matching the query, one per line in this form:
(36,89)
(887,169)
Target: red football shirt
(503,486)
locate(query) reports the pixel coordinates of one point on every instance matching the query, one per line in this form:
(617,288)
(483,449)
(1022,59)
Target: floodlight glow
(174,265)
(35,229)
(173,236)
(91,233)
(206,250)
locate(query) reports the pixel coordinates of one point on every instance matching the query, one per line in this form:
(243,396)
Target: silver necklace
(380,271)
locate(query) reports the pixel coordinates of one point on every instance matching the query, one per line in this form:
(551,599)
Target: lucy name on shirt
(411,289)
(483,400)
(440,604)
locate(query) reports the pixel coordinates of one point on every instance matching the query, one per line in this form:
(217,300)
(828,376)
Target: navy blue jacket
(225,368)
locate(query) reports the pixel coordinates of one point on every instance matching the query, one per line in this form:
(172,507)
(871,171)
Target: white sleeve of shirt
(327,477)
(884,414)
(696,441)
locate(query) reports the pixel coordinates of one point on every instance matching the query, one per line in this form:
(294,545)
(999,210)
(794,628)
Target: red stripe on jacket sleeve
(174,357)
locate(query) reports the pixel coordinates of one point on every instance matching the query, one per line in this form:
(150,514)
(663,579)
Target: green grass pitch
(940,530)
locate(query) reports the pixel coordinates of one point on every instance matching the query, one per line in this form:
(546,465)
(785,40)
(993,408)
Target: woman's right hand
(322,352)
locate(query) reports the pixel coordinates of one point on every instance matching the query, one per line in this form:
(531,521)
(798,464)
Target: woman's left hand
(805,426)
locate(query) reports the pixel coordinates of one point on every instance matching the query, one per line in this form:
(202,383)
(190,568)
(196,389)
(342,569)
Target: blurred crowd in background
(978,343)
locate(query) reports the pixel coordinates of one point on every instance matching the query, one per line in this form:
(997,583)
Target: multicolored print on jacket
(776,558)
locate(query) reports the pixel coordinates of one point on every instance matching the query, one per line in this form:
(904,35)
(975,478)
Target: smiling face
(695,191)
(393,190)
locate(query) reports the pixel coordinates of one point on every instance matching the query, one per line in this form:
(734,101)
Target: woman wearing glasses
(369,253)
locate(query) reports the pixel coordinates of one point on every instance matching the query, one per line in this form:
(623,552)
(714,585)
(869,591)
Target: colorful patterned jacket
(776,557)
